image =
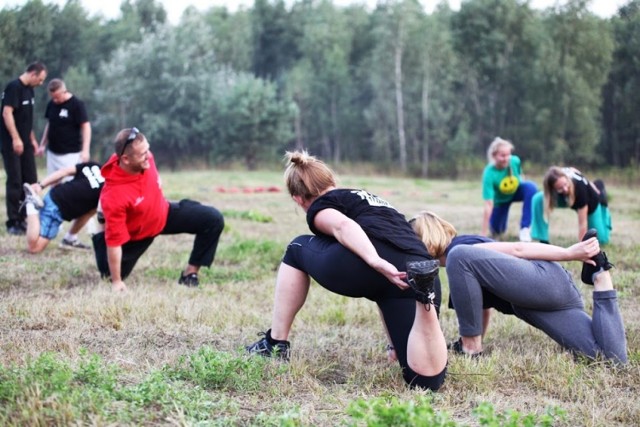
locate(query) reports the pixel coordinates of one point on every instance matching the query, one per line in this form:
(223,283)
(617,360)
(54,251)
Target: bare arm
(55,177)
(85,130)
(114,256)
(581,251)
(352,236)
(34,141)
(10,124)
(583,213)
(44,140)
(486,214)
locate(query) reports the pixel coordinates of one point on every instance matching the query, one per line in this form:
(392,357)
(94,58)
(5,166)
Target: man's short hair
(36,67)
(55,85)
(122,139)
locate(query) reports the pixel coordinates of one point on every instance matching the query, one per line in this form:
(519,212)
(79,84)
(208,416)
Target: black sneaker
(190,280)
(268,347)
(16,230)
(602,263)
(456,347)
(421,277)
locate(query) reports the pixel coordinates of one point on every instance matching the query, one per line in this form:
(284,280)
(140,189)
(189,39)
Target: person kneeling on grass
(136,211)
(75,200)
(567,187)
(360,247)
(522,279)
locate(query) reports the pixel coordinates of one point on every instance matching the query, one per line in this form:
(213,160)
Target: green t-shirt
(499,185)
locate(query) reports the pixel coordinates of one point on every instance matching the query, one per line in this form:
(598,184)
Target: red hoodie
(133,205)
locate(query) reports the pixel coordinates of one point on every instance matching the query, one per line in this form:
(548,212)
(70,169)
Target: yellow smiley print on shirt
(509,185)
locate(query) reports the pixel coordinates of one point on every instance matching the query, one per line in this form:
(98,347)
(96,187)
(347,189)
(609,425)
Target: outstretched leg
(607,324)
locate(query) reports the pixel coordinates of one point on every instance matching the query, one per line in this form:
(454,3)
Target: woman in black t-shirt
(359,248)
(567,187)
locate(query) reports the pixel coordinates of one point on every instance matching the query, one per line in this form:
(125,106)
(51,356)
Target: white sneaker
(30,196)
(72,244)
(525,234)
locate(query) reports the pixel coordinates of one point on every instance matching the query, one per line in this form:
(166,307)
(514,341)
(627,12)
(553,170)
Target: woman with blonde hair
(502,184)
(568,188)
(360,248)
(522,279)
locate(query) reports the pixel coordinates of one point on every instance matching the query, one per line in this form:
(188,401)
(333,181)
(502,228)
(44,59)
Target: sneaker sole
(72,248)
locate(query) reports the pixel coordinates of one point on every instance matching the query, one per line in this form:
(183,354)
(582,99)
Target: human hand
(118,286)
(40,150)
(584,251)
(18,146)
(392,274)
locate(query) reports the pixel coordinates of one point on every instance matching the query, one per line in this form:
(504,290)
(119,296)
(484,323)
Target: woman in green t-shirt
(503,183)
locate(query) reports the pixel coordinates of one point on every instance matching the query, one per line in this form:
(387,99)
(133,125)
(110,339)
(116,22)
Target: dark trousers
(20,169)
(187,216)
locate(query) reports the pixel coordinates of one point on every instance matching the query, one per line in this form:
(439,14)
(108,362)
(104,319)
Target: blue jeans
(500,214)
(50,218)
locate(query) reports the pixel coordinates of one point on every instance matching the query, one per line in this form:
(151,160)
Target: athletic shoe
(73,244)
(189,280)
(15,230)
(456,347)
(30,196)
(525,234)
(602,263)
(268,347)
(421,277)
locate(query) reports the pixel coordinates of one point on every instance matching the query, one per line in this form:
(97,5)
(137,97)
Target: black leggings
(186,216)
(20,169)
(341,271)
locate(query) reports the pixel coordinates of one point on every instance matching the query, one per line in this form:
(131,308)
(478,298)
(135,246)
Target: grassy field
(74,353)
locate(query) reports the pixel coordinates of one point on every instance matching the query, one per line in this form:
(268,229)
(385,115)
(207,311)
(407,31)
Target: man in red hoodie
(135,212)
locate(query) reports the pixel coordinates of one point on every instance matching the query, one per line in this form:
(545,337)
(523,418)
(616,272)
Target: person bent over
(361,247)
(75,200)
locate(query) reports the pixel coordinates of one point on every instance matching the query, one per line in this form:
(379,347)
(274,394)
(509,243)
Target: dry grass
(55,302)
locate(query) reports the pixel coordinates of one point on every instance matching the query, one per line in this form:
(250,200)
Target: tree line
(406,90)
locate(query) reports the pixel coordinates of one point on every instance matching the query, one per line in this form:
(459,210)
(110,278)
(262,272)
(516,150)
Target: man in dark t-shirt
(18,141)
(67,135)
(76,199)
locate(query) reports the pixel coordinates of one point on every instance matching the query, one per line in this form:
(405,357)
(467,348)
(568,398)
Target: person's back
(79,195)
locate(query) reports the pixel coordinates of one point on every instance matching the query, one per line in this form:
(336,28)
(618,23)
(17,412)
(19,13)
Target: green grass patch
(250,215)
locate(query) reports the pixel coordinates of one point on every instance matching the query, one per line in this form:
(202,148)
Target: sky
(174,8)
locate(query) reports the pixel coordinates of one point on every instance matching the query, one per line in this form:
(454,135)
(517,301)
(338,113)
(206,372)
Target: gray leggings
(542,294)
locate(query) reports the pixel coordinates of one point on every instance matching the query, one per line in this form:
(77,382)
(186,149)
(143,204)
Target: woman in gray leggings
(522,279)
